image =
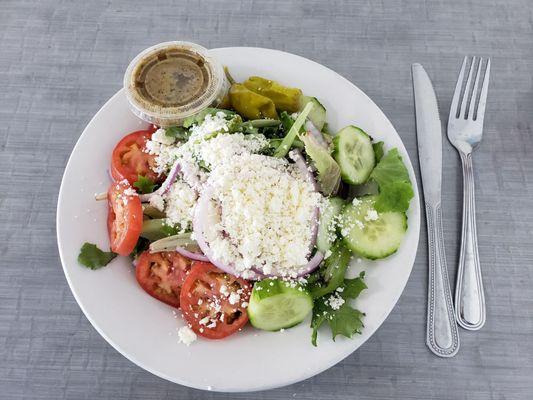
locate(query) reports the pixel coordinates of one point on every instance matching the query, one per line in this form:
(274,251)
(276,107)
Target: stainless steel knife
(442,335)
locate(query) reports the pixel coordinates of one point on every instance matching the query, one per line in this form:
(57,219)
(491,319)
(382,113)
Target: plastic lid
(170,81)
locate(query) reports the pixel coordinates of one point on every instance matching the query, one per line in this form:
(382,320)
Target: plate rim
(305,374)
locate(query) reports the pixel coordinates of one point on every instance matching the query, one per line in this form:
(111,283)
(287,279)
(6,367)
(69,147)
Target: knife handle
(469,295)
(442,336)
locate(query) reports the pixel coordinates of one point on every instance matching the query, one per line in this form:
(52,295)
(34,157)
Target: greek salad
(251,212)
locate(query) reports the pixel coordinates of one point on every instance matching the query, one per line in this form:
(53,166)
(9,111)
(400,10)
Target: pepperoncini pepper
(284,98)
(251,104)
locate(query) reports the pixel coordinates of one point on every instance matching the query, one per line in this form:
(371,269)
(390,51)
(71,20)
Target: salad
(251,211)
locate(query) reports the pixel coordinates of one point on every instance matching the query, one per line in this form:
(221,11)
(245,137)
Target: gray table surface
(60,61)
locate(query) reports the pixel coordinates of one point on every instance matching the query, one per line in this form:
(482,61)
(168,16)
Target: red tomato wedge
(129,159)
(161,275)
(124,218)
(212,301)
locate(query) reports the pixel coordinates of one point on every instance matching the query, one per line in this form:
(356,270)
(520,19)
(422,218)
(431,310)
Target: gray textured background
(60,61)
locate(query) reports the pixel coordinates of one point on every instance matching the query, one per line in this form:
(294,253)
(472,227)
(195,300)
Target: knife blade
(429,134)
(442,336)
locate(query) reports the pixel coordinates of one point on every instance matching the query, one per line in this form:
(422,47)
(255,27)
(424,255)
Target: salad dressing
(171,81)
(170,78)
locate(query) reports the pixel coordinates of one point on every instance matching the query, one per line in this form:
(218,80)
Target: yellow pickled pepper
(251,104)
(284,98)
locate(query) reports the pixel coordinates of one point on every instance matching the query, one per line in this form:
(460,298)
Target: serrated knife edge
(429,134)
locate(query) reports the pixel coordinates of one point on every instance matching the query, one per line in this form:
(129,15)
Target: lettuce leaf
(144,184)
(344,320)
(93,258)
(395,188)
(199,117)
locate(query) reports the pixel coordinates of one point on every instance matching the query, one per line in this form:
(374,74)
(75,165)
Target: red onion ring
(165,187)
(191,255)
(313,264)
(199,223)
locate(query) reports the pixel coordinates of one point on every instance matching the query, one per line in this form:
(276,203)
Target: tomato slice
(161,275)
(212,301)
(129,159)
(124,218)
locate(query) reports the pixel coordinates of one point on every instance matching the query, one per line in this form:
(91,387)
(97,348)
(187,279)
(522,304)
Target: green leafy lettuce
(93,258)
(144,184)
(331,273)
(342,320)
(199,117)
(177,132)
(395,188)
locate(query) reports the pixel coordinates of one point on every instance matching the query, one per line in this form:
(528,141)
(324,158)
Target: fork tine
(480,112)
(466,94)
(454,108)
(473,98)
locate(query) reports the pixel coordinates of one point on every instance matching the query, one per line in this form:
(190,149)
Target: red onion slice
(165,187)
(191,255)
(313,264)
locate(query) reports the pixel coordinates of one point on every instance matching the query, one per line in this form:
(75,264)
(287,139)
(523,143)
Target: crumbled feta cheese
(209,145)
(327,254)
(204,321)
(224,290)
(356,201)
(160,136)
(179,205)
(371,215)
(263,217)
(130,192)
(335,301)
(157,202)
(359,224)
(234,298)
(186,335)
(223,147)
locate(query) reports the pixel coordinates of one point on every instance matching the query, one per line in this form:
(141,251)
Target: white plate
(144,329)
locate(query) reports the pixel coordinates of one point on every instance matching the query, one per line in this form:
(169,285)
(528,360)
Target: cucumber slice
(317,114)
(275,305)
(370,234)
(354,154)
(326,229)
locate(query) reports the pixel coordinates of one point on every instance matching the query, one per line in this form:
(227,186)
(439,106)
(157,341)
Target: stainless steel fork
(465,129)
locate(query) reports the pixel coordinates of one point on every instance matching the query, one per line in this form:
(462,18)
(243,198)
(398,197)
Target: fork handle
(469,295)
(442,337)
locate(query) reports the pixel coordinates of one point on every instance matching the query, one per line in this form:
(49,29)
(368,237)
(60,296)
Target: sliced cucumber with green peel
(276,304)
(354,154)
(371,234)
(326,231)
(317,114)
